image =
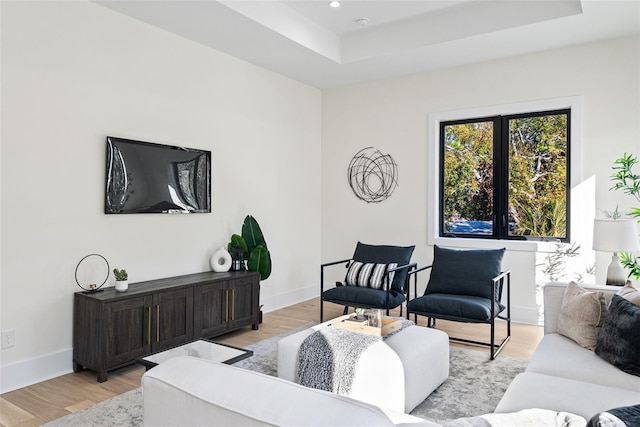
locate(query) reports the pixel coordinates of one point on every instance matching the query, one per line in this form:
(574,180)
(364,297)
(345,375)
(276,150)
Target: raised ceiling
(326,47)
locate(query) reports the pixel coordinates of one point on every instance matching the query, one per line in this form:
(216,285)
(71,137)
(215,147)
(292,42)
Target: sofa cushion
(526,417)
(370,275)
(553,292)
(455,306)
(180,392)
(581,315)
(464,272)
(630,293)
(619,341)
(362,297)
(577,363)
(385,254)
(533,390)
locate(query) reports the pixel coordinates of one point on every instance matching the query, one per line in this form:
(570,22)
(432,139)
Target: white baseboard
(32,371)
(28,372)
(526,315)
(284,300)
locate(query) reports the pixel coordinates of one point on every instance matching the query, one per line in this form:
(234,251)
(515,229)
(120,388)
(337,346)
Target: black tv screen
(144,177)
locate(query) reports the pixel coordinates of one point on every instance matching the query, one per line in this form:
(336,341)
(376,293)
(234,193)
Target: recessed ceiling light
(334,3)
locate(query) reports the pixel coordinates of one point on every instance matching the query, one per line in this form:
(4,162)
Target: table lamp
(619,235)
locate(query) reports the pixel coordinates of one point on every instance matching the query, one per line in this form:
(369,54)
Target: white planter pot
(122,285)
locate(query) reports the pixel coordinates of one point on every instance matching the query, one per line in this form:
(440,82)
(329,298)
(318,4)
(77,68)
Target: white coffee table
(203,349)
(397,373)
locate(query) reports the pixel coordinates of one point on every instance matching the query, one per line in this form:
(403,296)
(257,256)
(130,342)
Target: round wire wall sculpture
(94,266)
(372,175)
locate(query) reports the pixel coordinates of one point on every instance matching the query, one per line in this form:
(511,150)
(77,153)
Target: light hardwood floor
(55,398)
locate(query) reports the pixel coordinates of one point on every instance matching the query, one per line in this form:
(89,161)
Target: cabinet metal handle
(149,321)
(226,312)
(157,322)
(233,304)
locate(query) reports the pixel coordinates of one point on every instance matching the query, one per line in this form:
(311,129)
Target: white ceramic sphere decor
(221,260)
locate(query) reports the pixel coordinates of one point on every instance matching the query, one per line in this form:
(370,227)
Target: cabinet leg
(254,327)
(77,367)
(102,376)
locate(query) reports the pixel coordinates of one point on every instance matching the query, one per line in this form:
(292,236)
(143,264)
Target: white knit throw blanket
(327,359)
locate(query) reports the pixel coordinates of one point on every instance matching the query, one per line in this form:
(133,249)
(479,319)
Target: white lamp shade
(619,235)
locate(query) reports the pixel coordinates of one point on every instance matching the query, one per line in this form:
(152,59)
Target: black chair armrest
(501,275)
(418,270)
(409,268)
(499,281)
(402,267)
(329,264)
(414,273)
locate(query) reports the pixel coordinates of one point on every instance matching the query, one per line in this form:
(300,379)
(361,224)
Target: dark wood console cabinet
(111,329)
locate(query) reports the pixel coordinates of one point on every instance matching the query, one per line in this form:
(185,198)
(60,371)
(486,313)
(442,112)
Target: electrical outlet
(8,338)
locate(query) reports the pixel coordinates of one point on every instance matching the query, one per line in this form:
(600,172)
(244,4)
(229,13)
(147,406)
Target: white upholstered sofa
(188,391)
(563,376)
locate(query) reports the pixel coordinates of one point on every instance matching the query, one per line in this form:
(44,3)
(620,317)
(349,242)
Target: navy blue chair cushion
(385,254)
(366,297)
(455,307)
(464,272)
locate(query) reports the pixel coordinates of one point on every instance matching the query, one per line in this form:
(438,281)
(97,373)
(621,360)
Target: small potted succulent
(122,282)
(359,313)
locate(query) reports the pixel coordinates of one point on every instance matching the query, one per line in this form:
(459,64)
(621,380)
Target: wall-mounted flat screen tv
(144,177)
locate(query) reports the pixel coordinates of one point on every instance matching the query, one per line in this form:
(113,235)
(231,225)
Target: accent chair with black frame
(465,286)
(377,277)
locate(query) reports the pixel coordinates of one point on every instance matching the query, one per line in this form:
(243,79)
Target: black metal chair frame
(493,347)
(347,304)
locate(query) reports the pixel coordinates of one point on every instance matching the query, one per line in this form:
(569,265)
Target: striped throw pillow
(369,275)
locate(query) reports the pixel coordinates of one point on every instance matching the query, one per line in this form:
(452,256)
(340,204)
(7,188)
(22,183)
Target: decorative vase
(221,260)
(122,285)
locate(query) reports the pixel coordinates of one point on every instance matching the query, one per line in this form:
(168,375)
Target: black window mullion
(568,177)
(500,176)
(441,195)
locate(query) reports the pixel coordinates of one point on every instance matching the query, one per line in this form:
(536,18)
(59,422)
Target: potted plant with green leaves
(122,282)
(627,181)
(252,247)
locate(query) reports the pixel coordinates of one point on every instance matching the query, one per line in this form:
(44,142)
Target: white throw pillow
(630,293)
(369,275)
(581,315)
(525,418)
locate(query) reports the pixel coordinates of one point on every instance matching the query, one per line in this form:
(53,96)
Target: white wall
(75,72)
(392,116)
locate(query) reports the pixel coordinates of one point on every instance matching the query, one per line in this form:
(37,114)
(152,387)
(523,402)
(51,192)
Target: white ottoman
(397,373)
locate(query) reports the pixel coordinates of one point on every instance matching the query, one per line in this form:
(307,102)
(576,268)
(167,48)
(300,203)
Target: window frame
(496,154)
(574,171)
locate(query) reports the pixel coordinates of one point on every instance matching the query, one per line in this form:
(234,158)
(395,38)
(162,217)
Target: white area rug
(474,387)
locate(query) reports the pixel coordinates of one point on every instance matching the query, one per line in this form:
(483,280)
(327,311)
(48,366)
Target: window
(506,177)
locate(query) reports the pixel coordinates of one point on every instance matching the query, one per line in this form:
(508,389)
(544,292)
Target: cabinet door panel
(128,330)
(173,317)
(210,308)
(243,302)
